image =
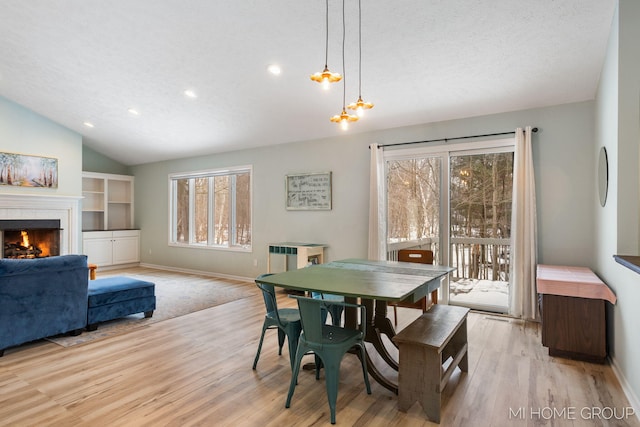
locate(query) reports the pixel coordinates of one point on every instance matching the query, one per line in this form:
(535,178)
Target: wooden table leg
(381,324)
(373,337)
(378,377)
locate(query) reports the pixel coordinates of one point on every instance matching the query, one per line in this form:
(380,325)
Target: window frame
(231,172)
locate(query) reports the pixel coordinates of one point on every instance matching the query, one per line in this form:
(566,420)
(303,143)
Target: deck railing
(472,258)
(478,258)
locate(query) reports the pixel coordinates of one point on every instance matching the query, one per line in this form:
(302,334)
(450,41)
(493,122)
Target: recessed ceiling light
(274,69)
(88,124)
(133,112)
(191,94)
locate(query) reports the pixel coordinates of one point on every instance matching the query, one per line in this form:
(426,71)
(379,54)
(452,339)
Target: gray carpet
(177,294)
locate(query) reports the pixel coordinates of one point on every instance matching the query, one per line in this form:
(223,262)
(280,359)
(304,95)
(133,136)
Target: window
(211,209)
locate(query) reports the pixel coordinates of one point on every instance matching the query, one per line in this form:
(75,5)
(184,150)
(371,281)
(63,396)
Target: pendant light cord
(344,71)
(359,49)
(326,42)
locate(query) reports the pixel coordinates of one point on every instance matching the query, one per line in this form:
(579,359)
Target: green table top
(382,280)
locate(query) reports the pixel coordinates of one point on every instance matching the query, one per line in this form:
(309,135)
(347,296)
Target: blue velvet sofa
(42,297)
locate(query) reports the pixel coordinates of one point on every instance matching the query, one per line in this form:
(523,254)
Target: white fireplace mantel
(64,208)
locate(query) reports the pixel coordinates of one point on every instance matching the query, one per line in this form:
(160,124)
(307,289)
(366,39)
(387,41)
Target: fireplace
(30,238)
(66,209)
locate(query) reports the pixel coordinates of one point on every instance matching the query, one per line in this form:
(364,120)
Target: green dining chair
(285,320)
(329,343)
(334,310)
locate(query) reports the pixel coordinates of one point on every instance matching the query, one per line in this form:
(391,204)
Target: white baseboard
(117,266)
(626,388)
(198,272)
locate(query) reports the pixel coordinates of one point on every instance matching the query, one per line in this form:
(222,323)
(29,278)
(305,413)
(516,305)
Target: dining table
(372,283)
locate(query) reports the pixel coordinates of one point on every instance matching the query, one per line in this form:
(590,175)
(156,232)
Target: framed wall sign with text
(309,191)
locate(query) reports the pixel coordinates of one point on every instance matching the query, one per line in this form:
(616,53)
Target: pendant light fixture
(360,105)
(344,118)
(326,77)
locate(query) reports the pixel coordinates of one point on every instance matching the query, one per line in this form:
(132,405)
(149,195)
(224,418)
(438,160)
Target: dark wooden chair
(422,256)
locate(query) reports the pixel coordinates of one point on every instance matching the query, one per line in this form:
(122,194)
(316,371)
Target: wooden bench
(425,345)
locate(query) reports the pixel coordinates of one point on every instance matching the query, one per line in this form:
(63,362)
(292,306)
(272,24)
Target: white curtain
(377,220)
(523,296)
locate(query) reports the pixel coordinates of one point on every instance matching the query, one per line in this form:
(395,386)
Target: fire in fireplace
(33,238)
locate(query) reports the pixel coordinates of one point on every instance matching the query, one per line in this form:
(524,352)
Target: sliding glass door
(456,203)
(480,192)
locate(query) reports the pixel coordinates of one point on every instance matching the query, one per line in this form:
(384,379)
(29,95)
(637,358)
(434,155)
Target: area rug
(177,294)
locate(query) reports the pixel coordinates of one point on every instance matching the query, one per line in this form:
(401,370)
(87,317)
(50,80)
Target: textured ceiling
(422,61)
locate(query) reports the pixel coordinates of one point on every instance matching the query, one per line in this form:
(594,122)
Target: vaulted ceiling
(77,61)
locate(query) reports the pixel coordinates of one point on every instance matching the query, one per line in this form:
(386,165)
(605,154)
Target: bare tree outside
(243,209)
(182,214)
(202,210)
(413,204)
(219,209)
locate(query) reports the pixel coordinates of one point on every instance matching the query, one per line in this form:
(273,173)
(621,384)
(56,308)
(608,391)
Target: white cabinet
(105,248)
(108,201)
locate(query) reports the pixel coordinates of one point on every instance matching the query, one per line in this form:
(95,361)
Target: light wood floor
(195,370)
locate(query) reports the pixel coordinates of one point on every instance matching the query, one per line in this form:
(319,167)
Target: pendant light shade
(326,77)
(360,106)
(344,118)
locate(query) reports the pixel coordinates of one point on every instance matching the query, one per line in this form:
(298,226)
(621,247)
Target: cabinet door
(126,249)
(574,327)
(98,250)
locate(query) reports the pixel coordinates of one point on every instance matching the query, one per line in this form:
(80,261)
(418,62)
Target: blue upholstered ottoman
(114,297)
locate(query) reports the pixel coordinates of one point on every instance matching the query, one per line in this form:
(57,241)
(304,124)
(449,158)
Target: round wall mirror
(603,176)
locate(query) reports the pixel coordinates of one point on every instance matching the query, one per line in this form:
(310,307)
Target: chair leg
(319,365)
(292,339)
(281,336)
(332,379)
(336,314)
(294,375)
(363,359)
(395,315)
(255,361)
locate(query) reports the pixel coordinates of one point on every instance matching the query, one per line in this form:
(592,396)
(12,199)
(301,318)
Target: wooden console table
(304,252)
(573,312)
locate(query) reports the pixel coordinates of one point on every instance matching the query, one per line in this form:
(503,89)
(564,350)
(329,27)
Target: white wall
(616,224)
(24,132)
(92,161)
(564,175)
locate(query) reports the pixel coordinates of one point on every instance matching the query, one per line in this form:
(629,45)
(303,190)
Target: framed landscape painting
(21,170)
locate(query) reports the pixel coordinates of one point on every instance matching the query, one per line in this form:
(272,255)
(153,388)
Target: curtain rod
(452,139)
